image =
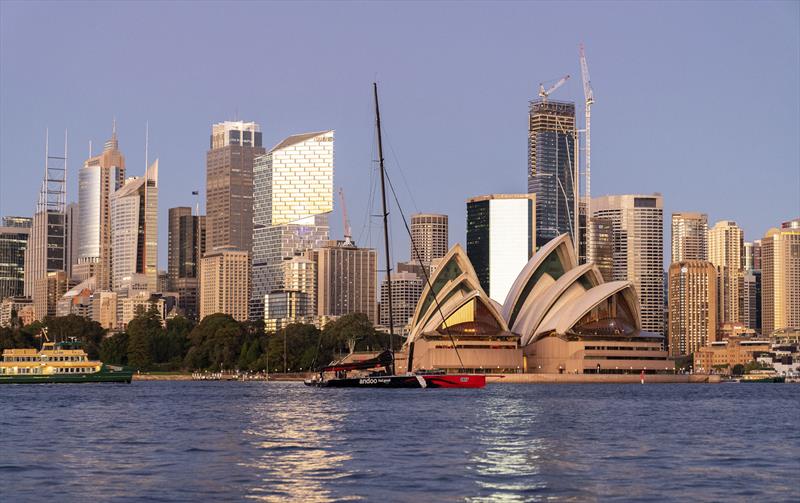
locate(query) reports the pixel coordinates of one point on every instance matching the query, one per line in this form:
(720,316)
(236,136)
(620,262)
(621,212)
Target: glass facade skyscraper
(501,230)
(14,233)
(551,168)
(292,197)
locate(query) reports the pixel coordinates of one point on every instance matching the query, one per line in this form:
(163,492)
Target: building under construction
(551,167)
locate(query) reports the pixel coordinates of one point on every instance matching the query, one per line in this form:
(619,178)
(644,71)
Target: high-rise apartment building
(501,238)
(780,278)
(98,179)
(14,235)
(751,256)
(347,279)
(637,249)
(725,242)
(292,199)
(406,291)
(187,245)
(429,235)
(552,173)
(134,222)
(283,307)
(692,306)
(750,311)
(229,184)
(689,236)
(225,283)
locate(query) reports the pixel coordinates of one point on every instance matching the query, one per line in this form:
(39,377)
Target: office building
(750,311)
(347,280)
(187,244)
(751,256)
(134,221)
(602,249)
(721,356)
(73,226)
(48,291)
(284,307)
(225,283)
(14,235)
(229,184)
(406,290)
(20,308)
(105,309)
(692,306)
(780,278)
(636,249)
(689,236)
(429,235)
(98,179)
(552,172)
(292,199)
(725,241)
(300,275)
(501,238)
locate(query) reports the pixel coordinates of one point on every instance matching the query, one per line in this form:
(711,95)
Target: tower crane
(589,97)
(347,234)
(544,93)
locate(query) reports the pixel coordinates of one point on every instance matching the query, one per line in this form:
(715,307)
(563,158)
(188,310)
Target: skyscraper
(293,197)
(552,168)
(99,178)
(45,252)
(187,244)
(225,283)
(637,249)
(134,220)
(71,237)
(501,238)
(429,234)
(751,300)
(406,291)
(48,291)
(725,252)
(229,184)
(13,240)
(780,278)
(692,306)
(689,236)
(300,275)
(347,279)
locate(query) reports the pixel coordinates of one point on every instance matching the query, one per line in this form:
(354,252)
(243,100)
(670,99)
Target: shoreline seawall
(602,379)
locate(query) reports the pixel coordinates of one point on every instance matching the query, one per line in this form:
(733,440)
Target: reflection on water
(219,441)
(297,456)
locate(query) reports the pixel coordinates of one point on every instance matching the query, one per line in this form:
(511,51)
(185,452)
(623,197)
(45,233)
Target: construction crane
(347,234)
(544,93)
(589,96)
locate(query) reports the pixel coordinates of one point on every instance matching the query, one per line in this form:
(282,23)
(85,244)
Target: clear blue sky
(698,101)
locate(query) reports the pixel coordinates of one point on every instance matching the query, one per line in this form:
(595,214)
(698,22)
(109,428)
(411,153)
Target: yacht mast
(385,221)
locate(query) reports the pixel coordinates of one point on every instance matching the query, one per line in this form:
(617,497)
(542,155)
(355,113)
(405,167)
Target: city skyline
(492,133)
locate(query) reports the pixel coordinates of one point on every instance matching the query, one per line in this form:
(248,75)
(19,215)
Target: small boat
(62,362)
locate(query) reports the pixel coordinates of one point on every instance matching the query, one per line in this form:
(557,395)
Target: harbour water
(230,441)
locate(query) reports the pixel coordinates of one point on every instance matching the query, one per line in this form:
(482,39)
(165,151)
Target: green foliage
(754,365)
(215,343)
(90,333)
(737,370)
(300,343)
(114,349)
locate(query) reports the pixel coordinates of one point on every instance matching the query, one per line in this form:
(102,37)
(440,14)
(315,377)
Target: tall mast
(385,220)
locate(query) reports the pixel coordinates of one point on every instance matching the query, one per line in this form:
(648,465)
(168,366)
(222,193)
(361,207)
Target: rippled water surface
(216,441)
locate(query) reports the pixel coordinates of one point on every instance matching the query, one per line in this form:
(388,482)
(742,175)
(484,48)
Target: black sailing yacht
(380,372)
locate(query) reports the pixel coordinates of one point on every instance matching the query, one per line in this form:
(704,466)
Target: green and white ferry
(62,362)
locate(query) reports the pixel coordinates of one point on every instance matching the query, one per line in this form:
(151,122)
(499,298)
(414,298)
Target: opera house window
(610,317)
(473,318)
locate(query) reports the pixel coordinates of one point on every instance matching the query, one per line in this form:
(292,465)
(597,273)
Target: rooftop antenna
(146,142)
(114,127)
(90,149)
(347,233)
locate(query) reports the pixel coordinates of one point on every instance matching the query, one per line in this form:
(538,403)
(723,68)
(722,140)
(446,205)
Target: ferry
(763,376)
(57,362)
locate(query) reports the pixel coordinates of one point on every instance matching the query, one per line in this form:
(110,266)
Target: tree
(215,343)
(143,332)
(737,370)
(89,333)
(114,349)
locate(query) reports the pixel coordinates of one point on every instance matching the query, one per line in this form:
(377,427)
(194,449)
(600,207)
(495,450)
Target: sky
(696,101)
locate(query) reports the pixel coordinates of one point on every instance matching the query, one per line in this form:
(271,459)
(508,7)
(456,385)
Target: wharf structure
(559,317)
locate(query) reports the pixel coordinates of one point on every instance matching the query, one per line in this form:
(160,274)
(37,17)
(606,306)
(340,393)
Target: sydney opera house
(558,317)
